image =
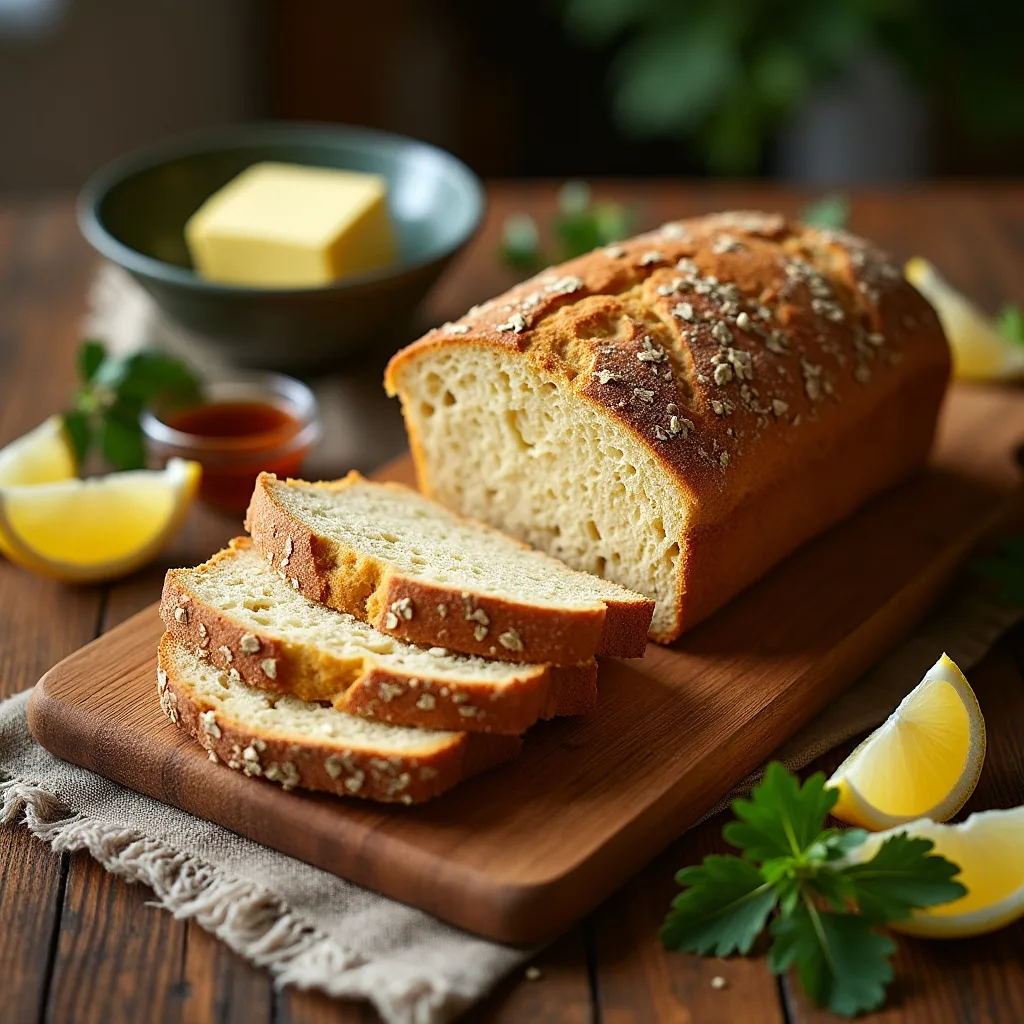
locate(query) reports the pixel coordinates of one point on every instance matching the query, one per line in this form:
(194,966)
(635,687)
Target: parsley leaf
(830,211)
(781,818)
(902,875)
(111,396)
(1010,324)
(723,910)
(828,901)
(842,962)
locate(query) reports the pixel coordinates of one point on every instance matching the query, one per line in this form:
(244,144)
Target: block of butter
(290,226)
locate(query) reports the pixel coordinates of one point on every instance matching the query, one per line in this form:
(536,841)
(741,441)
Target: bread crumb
(718,982)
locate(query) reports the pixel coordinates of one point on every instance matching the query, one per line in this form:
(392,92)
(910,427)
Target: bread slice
(297,743)
(237,612)
(411,568)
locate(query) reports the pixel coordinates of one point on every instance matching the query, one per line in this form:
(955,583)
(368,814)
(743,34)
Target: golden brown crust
(326,767)
(460,620)
(368,688)
(741,350)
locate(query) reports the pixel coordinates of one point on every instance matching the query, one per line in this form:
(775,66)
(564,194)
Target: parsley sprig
(579,226)
(827,908)
(110,397)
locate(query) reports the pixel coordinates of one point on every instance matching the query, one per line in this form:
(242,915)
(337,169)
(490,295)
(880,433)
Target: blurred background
(819,93)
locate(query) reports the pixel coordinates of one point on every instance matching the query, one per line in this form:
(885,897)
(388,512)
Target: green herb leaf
(120,438)
(91,354)
(1010,324)
(827,906)
(144,375)
(842,962)
(831,211)
(520,243)
(781,818)
(902,876)
(723,910)
(77,426)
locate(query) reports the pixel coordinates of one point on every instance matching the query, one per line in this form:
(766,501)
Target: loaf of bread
(237,613)
(678,412)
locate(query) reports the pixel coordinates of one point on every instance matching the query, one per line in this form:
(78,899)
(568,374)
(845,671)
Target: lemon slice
(987,846)
(91,530)
(39,457)
(980,352)
(923,762)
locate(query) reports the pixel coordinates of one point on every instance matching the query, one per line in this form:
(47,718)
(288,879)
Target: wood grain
(972,232)
(672,733)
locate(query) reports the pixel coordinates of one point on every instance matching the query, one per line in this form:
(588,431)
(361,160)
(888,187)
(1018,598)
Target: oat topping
(607,377)
(725,243)
(161,680)
(723,374)
(614,252)
(234,674)
(678,232)
(180,614)
(269,666)
(391,621)
(779,407)
(225,651)
(724,459)
(249,643)
(480,632)
(403,608)
(516,323)
(389,691)
(650,257)
(683,311)
(511,640)
(442,610)
(208,719)
(450,328)
(644,394)
(426,702)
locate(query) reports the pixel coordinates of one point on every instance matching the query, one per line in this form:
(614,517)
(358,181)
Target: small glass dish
(245,422)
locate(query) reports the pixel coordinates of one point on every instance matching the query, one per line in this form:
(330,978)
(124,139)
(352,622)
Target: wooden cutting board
(520,852)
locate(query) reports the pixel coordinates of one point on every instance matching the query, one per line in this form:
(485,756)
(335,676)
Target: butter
(290,226)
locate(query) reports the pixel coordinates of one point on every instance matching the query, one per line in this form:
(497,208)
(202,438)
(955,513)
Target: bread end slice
(300,744)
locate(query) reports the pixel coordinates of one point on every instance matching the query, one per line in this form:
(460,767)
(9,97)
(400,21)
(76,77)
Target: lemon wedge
(987,847)
(91,530)
(38,457)
(980,352)
(923,762)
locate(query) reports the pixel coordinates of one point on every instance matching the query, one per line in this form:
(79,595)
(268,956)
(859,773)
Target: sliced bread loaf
(295,743)
(412,568)
(237,612)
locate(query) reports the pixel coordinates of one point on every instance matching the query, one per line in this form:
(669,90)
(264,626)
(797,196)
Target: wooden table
(77,945)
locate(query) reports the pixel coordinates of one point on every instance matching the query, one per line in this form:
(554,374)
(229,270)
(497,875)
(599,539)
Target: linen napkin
(313,930)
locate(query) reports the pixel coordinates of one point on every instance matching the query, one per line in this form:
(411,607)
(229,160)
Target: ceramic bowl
(134,212)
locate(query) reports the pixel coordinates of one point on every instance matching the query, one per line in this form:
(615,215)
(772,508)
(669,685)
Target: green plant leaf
(841,961)
(902,876)
(1010,324)
(595,22)
(781,818)
(91,354)
(831,211)
(80,433)
(144,375)
(520,244)
(723,909)
(669,81)
(119,435)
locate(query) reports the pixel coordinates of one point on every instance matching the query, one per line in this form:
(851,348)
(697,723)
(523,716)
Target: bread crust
(365,687)
(325,767)
(460,620)
(755,359)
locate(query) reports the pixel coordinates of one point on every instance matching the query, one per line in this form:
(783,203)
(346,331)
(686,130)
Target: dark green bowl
(134,213)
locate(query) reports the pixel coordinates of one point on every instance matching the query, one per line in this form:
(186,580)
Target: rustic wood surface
(672,734)
(78,946)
